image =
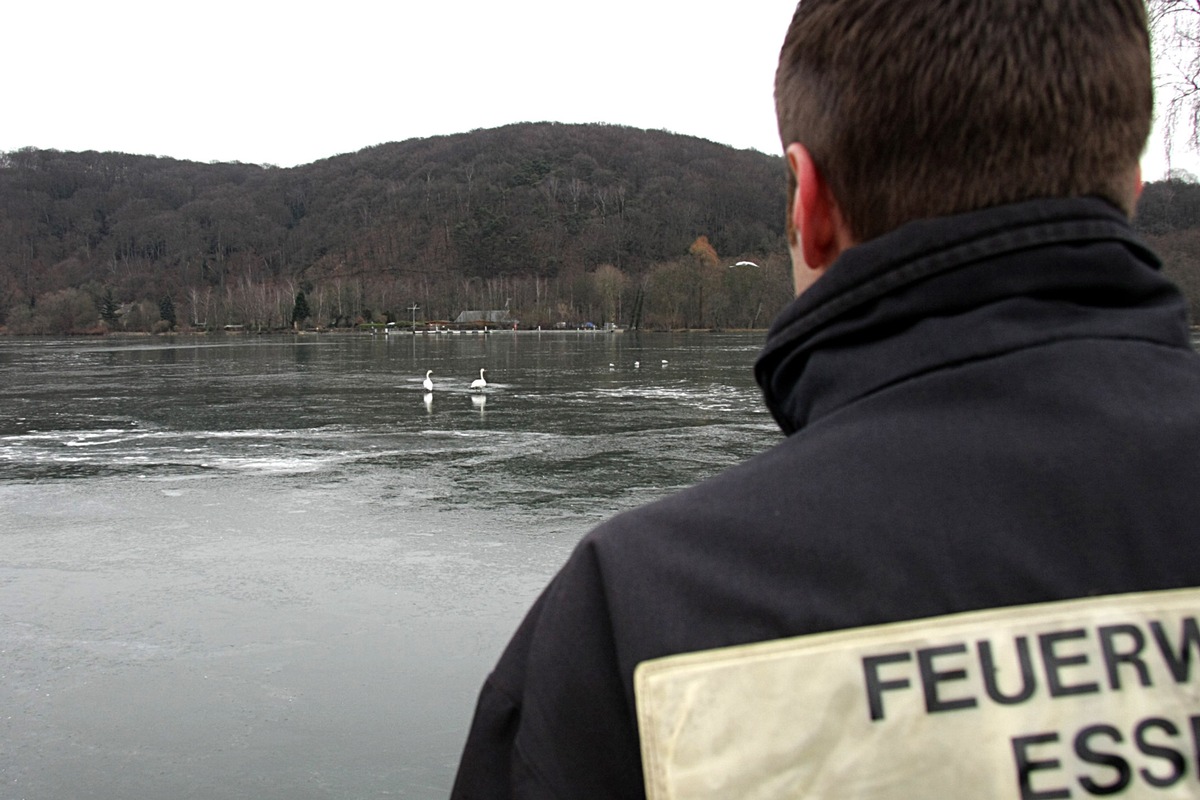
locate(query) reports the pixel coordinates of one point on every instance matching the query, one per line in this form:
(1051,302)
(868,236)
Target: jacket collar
(930,293)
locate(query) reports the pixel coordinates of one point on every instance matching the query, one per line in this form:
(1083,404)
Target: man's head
(910,109)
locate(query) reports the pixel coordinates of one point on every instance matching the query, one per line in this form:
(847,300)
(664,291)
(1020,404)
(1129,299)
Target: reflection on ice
(269,554)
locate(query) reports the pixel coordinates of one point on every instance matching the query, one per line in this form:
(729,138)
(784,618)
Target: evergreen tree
(166,311)
(300,311)
(108,308)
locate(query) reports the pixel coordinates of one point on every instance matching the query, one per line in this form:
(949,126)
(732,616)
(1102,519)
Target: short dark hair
(920,108)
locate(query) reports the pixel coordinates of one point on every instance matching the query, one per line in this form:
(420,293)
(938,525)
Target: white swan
(479,383)
(428,384)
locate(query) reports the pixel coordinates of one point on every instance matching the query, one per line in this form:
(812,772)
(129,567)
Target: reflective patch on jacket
(1073,699)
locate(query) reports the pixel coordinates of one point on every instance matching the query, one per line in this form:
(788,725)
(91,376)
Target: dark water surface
(272,567)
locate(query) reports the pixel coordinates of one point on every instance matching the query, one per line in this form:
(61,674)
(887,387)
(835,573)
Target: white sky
(286,83)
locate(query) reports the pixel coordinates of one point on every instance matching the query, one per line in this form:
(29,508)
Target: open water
(259,567)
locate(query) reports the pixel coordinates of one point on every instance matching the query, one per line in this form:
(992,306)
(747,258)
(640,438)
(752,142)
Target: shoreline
(385,334)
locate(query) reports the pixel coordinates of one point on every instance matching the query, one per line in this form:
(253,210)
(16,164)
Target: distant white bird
(479,383)
(664,362)
(611,366)
(428,384)
(637,365)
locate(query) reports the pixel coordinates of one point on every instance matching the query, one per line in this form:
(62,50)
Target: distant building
(498,318)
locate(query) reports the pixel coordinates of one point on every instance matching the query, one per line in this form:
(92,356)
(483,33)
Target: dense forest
(1168,216)
(558,225)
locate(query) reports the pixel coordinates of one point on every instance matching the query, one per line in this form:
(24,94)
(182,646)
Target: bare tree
(200,301)
(1175,25)
(609,284)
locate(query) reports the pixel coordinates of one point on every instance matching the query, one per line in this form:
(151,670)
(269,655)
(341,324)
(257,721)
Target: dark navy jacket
(986,410)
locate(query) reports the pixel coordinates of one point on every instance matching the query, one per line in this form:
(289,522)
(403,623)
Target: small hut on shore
(490,319)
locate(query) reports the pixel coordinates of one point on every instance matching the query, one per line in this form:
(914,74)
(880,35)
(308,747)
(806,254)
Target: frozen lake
(265,567)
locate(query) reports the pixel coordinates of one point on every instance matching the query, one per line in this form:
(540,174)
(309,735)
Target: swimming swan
(428,383)
(479,383)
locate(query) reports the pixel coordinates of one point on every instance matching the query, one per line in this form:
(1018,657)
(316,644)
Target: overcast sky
(268,82)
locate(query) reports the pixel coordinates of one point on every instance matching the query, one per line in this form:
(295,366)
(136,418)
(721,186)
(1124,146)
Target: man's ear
(815,216)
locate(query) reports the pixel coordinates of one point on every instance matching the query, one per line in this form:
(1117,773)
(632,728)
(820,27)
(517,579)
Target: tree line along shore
(536,224)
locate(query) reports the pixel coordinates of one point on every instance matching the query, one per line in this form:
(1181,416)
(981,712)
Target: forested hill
(1168,216)
(558,223)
